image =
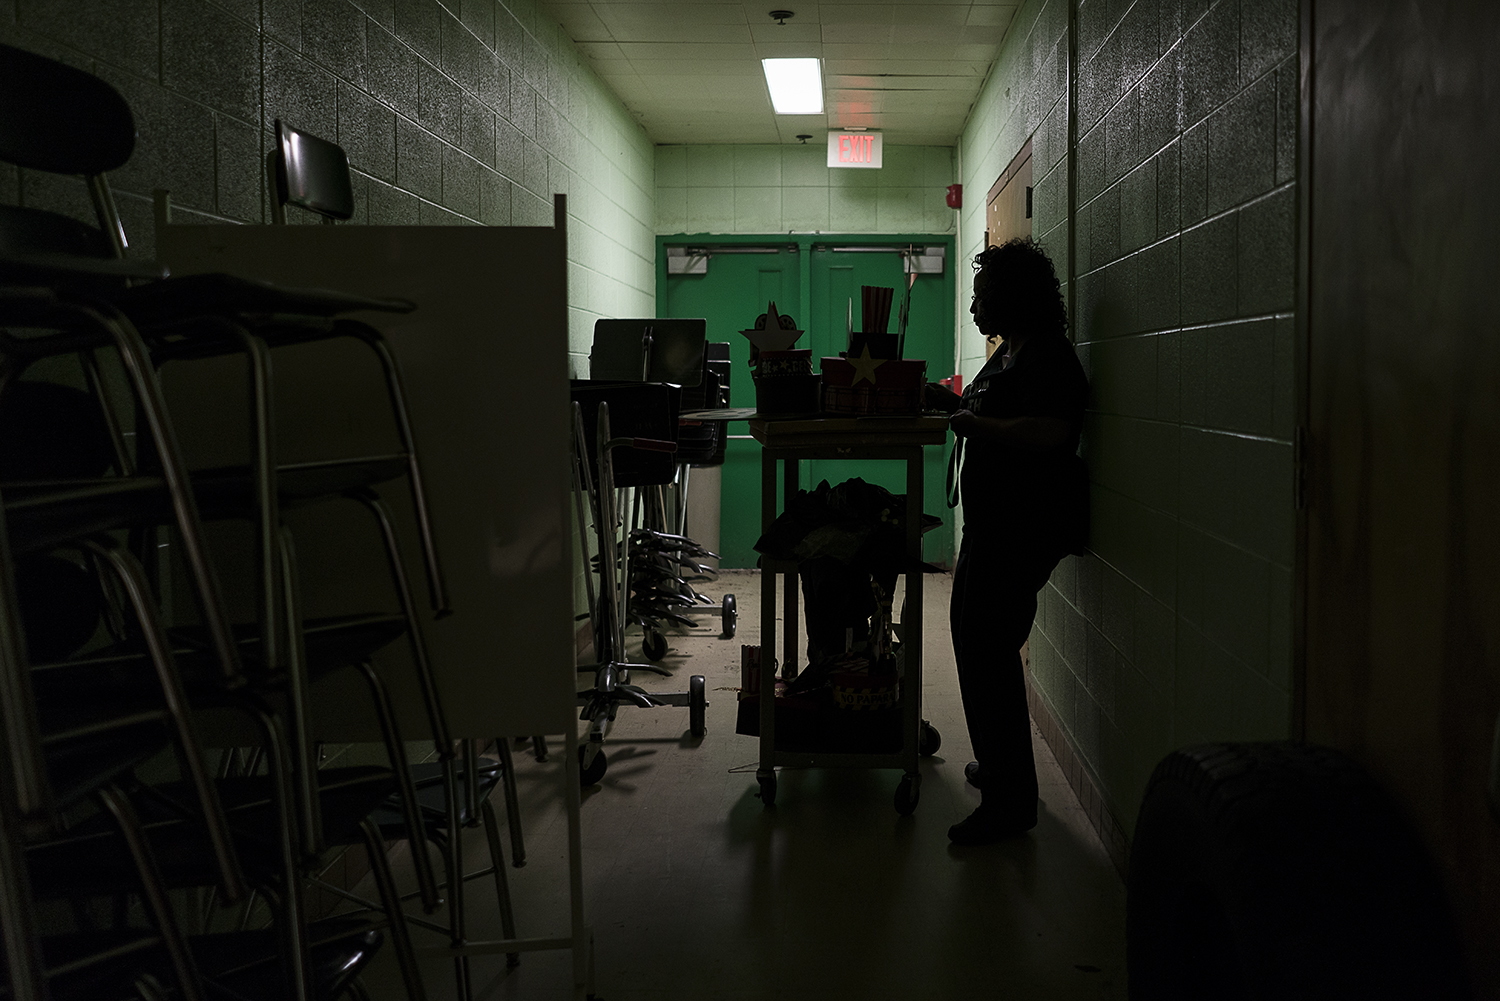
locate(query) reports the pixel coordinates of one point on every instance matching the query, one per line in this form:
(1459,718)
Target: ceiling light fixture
(796,85)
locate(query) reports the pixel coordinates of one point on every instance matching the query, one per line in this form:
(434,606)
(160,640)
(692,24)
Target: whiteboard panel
(484,358)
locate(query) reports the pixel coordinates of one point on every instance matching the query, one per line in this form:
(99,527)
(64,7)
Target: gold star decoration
(865,366)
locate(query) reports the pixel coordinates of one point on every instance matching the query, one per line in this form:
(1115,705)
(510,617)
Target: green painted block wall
(776,189)
(1176,627)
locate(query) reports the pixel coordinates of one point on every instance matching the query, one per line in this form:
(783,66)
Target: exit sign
(854,149)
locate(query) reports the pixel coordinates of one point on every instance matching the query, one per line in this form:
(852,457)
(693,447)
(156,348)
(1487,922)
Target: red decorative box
(896,389)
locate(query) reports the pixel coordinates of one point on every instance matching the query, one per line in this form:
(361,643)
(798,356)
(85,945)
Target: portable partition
(484,361)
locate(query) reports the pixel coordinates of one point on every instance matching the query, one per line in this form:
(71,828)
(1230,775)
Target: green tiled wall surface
(461,111)
(1176,627)
(776,189)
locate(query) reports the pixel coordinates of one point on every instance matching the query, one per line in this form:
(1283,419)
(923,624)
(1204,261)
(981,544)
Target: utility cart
(788,441)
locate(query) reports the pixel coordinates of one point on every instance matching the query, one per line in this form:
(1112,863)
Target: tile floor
(695,890)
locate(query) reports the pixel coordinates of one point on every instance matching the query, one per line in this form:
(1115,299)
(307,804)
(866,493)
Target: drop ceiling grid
(690,72)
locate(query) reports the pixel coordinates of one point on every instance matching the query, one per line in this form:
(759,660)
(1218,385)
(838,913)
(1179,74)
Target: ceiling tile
(579,21)
(744,70)
(908,67)
(955,83)
(698,34)
(721,53)
(857,13)
(848,33)
(997,15)
(643,16)
(600,52)
(759,13)
(931,14)
(773,32)
(847,53)
(783,50)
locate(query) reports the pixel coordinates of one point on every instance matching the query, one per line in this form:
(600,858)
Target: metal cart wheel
(654,645)
(907,794)
(928,740)
(697,703)
(767,789)
(591,768)
(730,615)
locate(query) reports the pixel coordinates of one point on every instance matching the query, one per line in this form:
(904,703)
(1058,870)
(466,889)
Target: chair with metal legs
(88,734)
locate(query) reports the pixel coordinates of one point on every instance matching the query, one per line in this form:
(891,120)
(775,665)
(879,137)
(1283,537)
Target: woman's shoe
(986,827)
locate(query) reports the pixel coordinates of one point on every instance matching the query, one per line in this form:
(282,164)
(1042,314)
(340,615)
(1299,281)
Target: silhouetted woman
(1025,497)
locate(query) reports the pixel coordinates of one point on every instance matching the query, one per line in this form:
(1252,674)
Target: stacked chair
(96,680)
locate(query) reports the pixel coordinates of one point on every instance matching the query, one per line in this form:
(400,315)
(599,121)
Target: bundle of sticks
(875,308)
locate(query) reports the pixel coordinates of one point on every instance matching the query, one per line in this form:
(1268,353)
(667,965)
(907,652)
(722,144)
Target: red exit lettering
(855,149)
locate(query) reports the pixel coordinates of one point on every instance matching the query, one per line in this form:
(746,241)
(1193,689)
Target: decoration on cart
(785,383)
(872,376)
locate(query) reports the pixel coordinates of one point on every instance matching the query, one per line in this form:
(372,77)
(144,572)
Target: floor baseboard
(1111,832)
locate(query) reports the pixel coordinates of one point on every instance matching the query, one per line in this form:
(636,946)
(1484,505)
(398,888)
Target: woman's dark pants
(995,585)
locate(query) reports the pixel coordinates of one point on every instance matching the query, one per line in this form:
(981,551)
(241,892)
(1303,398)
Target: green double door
(813,278)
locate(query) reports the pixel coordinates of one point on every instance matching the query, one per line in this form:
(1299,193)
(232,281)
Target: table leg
(790,621)
(912,620)
(767,627)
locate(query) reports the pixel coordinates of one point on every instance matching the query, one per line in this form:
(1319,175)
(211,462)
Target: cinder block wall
(1176,627)
(459,111)
(773,189)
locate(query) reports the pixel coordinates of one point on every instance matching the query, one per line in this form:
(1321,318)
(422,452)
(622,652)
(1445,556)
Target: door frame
(803,242)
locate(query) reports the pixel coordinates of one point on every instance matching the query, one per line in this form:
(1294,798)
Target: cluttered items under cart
(849,544)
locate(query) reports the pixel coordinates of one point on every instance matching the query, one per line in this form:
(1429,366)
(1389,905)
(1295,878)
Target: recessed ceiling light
(796,85)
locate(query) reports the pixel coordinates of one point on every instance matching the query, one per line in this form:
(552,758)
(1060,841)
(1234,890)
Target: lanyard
(954,459)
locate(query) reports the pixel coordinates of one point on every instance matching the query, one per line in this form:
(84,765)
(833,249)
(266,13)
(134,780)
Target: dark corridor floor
(695,891)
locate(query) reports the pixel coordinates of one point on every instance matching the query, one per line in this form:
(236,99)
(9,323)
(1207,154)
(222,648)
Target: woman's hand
(963,422)
(1023,434)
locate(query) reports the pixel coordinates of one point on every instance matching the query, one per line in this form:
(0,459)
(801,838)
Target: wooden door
(1007,211)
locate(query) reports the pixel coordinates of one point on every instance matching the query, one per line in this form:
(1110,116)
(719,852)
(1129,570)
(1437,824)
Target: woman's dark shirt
(1006,489)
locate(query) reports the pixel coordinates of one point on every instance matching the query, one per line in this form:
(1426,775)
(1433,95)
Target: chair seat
(431,799)
(188,296)
(101,966)
(246,963)
(45,515)
(91,861)
(226,491)
(91,756)
(125,678)
(94,966)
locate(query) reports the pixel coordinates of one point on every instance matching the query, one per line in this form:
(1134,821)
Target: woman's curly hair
(1024,285)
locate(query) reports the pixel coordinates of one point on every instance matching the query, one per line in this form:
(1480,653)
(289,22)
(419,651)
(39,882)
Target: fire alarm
(955,196)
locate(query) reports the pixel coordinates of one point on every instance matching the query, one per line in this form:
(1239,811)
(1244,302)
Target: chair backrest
(312,174)
(60,119)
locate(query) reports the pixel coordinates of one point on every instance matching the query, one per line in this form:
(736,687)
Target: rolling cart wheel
(654,645)
(697,703)
(767,789)
(907,794)
(928,740)
(730,615)
(590,772)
